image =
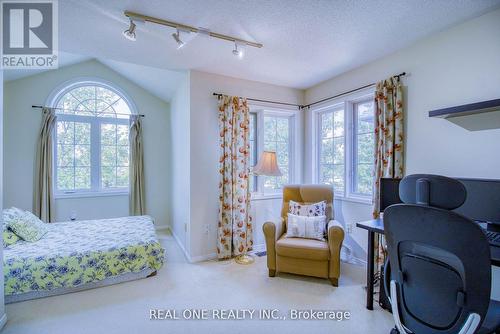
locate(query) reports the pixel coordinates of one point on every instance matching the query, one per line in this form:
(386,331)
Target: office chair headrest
(432,190)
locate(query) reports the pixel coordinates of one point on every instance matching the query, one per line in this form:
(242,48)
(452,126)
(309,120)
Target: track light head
(238,52)
(130,32)
(177,38)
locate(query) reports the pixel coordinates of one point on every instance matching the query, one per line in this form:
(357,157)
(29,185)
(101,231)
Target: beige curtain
(389,150)
(235,222)
(137,198)
(43,193)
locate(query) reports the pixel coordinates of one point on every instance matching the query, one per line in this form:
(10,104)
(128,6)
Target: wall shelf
(467,109)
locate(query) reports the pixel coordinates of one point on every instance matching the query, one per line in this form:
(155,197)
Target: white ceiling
(305,41)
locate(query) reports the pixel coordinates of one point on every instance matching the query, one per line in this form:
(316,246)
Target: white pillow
(306,227)
(301,209)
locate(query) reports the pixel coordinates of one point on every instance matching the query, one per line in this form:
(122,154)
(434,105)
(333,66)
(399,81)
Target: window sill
(91,194)
(263,197)
(359,200)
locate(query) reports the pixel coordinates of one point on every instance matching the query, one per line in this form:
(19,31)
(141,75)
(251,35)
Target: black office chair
(440,279)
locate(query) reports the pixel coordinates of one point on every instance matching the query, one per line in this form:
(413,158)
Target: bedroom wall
(22,126)
(3,317)
(179,162)
(205,156)
(457,66)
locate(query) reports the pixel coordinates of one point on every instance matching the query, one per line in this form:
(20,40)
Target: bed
(79,255)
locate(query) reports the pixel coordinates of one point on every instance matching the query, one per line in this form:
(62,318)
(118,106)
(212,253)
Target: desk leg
(369,274)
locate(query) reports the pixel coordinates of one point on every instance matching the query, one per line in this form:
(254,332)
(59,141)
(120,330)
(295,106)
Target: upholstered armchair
(305,256)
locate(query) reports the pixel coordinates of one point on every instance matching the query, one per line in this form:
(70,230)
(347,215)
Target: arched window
(91,139)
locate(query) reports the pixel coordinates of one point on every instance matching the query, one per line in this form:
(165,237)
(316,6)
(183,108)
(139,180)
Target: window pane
(338,150)
(276,139)
(122,156)
(364,179)
(73,151)
(365,145)
(65,178)
(108,155)
(282,130)
(65,132)
(82,155)
(327,125)
(338,123)
(338,178)
(122,134)
(327,151)
(326,174)
(122,176)
(365,117)
(82,133)
(253,150)
(108,134)
(108,176)
(332,150)
(364,148)
(82,177)
(65,155)
(269,129)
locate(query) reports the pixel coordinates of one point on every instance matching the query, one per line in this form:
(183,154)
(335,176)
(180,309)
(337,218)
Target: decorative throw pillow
(306,227)
(9,238)
(28,227)
(309,210)
(10,214)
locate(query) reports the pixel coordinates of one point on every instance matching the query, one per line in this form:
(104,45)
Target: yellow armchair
(305,256)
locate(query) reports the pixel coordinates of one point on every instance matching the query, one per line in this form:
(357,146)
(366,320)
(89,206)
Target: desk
(377,226)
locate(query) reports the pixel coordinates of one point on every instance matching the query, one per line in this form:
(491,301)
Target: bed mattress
(74,256)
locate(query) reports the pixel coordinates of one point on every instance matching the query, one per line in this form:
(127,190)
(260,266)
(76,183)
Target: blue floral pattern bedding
(75,253)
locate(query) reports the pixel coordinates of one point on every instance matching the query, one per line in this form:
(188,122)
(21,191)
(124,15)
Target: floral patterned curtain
(389,150)
(235,222)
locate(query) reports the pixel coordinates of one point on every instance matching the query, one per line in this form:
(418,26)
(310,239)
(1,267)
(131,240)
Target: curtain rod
(348,92)
(267,101)
(110,113)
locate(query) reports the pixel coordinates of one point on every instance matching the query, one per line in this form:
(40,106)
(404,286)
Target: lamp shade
(267,165)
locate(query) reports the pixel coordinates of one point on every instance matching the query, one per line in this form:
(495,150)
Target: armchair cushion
(303,248)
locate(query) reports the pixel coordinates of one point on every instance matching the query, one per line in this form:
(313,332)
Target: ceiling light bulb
(177,38)
(238,52)
(130,32)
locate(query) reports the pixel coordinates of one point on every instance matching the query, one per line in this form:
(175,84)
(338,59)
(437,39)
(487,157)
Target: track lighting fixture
(130,32)
(177,37)
(187,32)
(238,52)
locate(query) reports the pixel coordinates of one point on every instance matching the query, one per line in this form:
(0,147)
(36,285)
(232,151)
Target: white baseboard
(258,248)
(3,321)
(162,227)
(202,258)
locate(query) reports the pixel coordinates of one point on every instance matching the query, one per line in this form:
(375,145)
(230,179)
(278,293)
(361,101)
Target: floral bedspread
(81,252)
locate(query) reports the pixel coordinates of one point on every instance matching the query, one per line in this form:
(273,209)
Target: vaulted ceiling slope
(162,83)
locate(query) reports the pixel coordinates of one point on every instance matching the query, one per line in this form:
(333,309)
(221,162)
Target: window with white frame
(273,130)
(91,139)
(345,146)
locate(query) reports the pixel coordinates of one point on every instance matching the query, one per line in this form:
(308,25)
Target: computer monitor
(389,192)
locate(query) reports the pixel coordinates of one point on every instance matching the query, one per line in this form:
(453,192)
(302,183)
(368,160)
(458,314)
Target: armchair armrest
(272,232)
(335,238)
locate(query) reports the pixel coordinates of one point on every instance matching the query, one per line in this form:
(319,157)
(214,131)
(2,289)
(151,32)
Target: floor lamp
(267,166)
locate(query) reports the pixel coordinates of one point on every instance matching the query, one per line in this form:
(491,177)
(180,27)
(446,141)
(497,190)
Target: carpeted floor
(125,308)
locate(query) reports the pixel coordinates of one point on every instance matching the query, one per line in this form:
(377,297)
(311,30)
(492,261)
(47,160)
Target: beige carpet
(124,308)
